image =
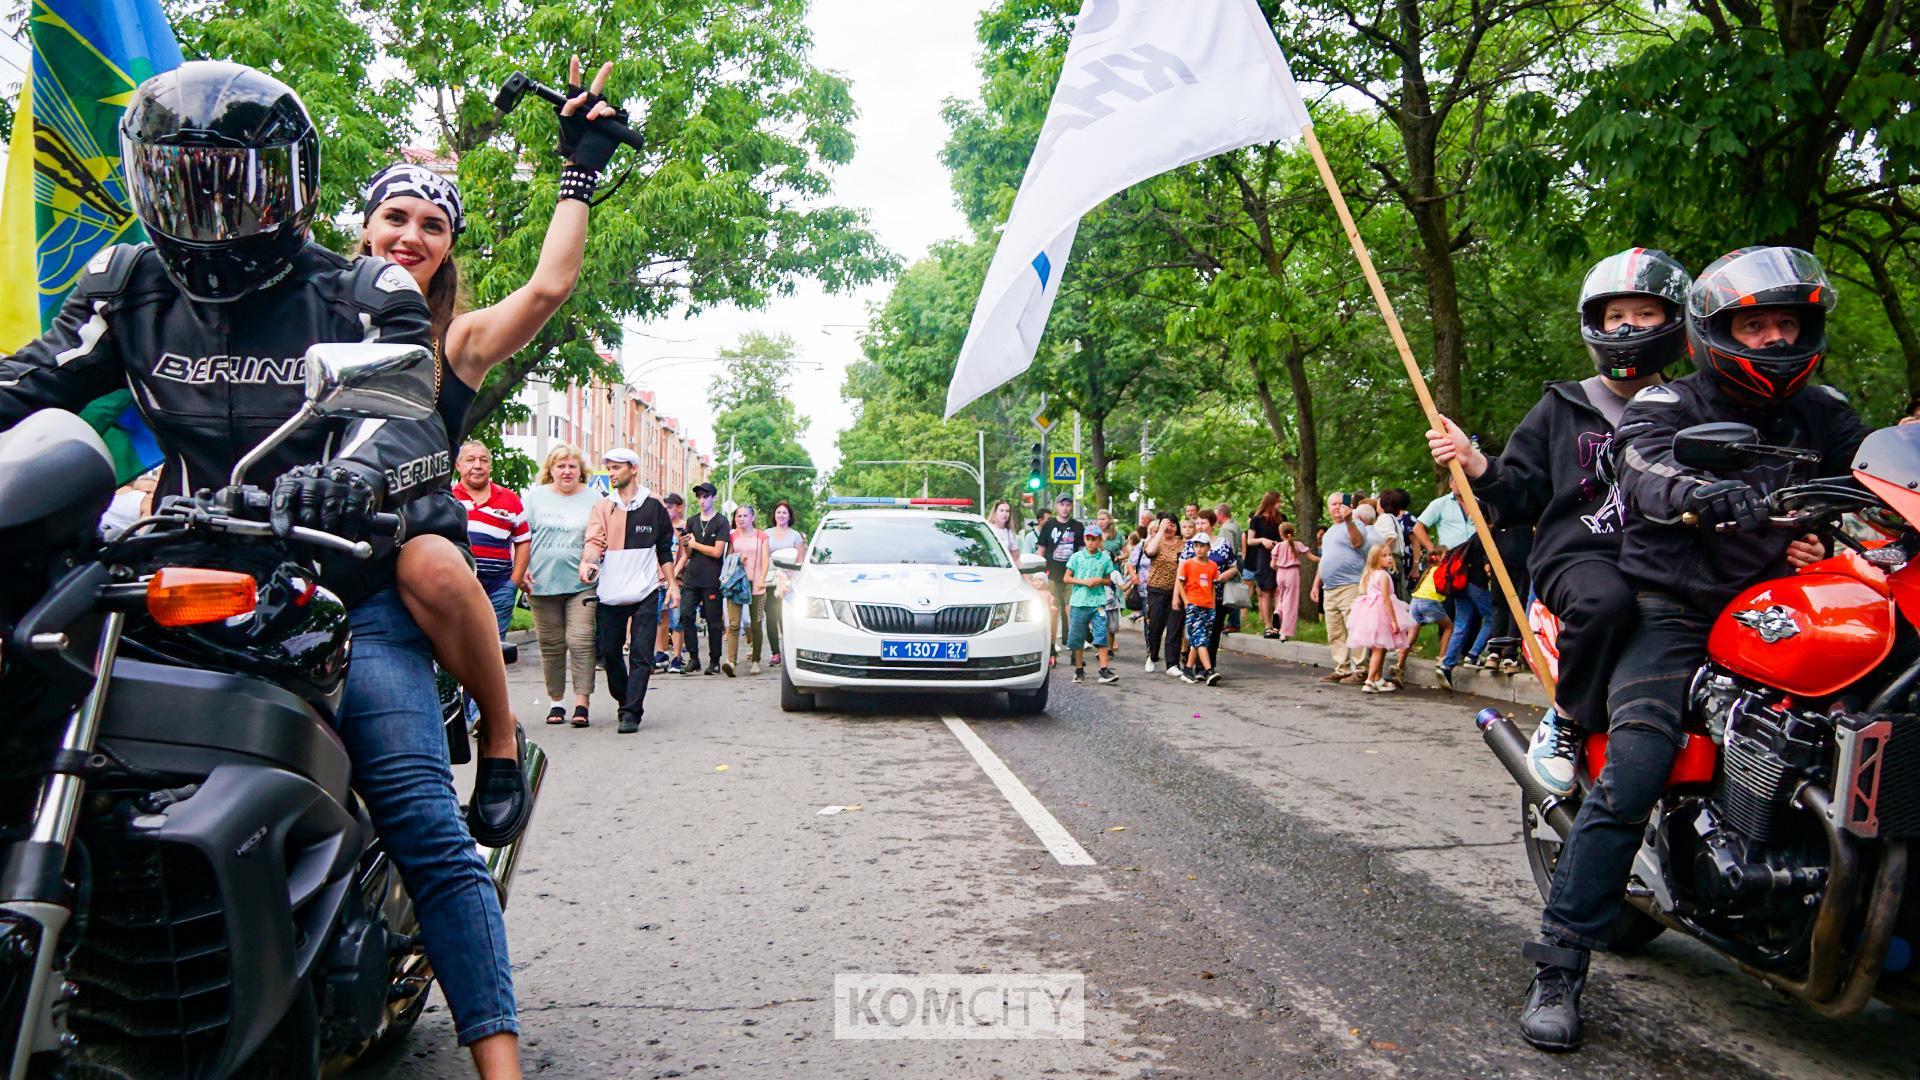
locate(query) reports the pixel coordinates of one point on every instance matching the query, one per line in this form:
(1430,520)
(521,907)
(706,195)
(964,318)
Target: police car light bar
(879,500)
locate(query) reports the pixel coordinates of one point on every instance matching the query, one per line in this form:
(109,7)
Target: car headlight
(1002,613)
(1031,610)
(812,607)
(843,611)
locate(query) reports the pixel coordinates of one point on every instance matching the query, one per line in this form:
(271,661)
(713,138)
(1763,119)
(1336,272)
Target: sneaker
(1509,667)
(1370,687)
(774,660)
(1550,1019)
(1173,671)
(726,668)
(691,669)
(1079,675)
(1472,662)
(753,668)
(629,724)
(1107,676)
(1213,676)
(1151,664)
(1553,755)
(659,658)
(1187,677)
(1444,674)
(677,666)
(1387,686)
(714,669)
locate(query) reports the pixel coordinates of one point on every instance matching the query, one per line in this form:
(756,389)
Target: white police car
(905,600)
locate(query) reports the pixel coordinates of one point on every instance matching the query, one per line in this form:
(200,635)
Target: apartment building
(598,417)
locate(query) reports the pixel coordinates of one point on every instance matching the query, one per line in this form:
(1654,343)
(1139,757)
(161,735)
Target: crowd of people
(626,581)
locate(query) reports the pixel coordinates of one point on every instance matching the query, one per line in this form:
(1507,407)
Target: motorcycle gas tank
(1812,634)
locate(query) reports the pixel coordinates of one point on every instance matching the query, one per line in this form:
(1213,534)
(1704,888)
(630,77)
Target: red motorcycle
(1782,838)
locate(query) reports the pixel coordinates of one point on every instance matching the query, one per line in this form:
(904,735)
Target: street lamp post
(733,477)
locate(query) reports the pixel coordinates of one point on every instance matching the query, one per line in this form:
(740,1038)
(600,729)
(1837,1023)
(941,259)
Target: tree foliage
(756,424)
(1491,150)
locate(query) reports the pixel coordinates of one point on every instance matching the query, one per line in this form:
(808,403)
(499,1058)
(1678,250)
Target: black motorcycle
(189,886)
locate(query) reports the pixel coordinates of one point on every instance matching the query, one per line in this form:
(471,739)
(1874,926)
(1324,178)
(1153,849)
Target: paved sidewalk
(1521,689)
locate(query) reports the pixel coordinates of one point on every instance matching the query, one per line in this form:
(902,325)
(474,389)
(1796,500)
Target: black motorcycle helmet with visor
(1758,278)
(1628,351)
(223,168)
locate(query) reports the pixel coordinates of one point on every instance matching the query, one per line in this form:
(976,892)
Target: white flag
(1148,86)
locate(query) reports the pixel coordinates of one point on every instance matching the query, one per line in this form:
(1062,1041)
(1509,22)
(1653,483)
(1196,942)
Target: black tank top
(456,397)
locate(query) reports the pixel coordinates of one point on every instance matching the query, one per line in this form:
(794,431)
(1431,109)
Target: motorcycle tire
(1632,931)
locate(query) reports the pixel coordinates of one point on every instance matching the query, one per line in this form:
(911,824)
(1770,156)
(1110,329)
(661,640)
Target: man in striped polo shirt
(497,529)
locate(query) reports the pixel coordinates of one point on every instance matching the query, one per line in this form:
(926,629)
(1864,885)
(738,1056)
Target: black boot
(1550,1019)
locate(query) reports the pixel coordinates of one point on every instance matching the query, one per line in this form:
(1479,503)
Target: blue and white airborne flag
(1148,86)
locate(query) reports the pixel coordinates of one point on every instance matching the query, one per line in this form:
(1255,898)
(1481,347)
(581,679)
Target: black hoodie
(1553,475)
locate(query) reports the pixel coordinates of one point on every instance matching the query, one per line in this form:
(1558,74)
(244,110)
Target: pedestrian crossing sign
(1066,468)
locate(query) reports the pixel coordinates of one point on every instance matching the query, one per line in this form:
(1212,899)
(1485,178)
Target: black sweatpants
(1649,704)
(629,666)
(695,602)
(1220,613)
(1162,627)
(1597,618)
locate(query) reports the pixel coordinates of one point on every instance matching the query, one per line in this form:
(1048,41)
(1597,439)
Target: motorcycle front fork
(37,900)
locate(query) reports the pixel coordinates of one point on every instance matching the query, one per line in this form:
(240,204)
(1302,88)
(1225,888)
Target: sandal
(1271,635)
(558,715)
(580,716)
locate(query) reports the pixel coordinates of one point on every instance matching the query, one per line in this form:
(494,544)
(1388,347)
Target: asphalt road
(1288,879)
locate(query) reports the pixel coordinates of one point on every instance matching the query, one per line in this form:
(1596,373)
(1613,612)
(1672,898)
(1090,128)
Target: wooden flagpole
(1515,603)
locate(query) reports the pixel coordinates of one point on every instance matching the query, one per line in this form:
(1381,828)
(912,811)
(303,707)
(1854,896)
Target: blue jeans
(502,593)
(1472,619)
(390,722)
(1086,624)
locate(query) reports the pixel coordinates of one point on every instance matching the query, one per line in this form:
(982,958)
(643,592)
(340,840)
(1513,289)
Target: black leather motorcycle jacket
(1700,566)
(213,380)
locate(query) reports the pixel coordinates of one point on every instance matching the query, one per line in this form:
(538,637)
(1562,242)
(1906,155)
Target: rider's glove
(331,498)
(1729,505)
(582,142)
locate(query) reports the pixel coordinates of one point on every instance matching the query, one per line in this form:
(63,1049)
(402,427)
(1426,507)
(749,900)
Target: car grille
(951,621)
(986,668)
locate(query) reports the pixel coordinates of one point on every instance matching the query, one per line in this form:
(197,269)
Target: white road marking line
(1059,842)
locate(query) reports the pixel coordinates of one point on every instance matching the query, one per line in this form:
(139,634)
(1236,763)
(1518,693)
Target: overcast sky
(904,59)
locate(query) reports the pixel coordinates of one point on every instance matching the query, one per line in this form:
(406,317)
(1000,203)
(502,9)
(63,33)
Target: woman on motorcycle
(412,217)
(222,166)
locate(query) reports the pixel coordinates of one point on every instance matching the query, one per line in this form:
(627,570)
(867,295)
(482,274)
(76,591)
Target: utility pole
(731,466)
(1080,476)
(1146,458)
(983,469)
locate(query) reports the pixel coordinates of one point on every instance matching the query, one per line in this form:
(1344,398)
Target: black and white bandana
(403,178)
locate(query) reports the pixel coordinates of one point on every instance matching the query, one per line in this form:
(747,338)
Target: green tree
(758,425)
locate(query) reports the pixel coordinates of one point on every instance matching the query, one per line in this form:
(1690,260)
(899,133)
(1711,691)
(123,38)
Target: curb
(1518,689)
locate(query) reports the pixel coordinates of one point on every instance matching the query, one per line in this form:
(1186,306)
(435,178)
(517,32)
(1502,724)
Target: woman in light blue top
(557,513)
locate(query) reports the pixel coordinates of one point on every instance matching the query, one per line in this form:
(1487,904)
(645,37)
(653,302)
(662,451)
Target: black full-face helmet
(1757,278)
(1628,351)
(223,168)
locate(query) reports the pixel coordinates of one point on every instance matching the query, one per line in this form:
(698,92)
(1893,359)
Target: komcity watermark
(869,1005)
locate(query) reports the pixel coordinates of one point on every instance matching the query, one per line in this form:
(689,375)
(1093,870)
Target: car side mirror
(1716,447)
(786,560)
(371,381)
(1029,563)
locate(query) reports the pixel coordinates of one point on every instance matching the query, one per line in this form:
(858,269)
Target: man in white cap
(629,548)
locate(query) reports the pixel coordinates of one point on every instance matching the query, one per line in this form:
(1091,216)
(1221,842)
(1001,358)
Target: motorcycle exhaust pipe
(503,861)
(1510,747)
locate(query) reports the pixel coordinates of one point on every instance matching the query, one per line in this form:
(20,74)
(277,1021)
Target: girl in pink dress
(1380,621)
(1286,579)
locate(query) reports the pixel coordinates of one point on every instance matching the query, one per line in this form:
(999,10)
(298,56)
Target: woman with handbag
(744,585)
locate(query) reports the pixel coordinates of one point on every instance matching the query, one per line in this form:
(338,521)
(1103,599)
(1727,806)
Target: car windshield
(933,541)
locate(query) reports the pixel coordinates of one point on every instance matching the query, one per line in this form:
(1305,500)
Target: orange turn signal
(189,596)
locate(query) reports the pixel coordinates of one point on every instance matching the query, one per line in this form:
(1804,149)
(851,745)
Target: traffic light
(1036,469)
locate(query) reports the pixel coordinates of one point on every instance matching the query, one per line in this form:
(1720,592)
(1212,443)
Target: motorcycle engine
(1750,860)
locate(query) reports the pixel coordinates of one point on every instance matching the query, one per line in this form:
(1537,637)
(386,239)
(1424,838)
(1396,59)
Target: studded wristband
(578,183)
